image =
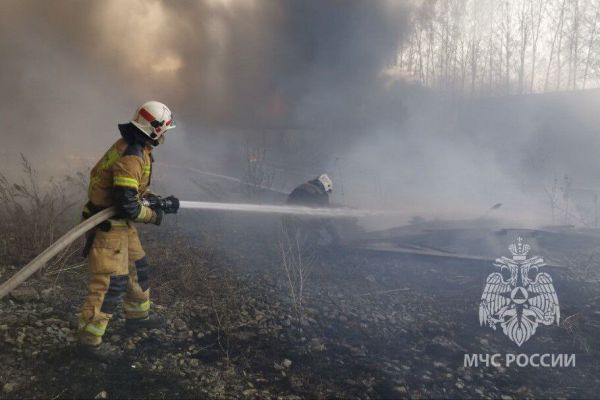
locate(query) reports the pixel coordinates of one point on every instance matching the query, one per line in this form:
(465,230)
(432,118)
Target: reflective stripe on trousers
(95,328)
(134,310)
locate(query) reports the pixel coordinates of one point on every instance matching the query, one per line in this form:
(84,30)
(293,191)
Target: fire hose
(24,273)
(54,249)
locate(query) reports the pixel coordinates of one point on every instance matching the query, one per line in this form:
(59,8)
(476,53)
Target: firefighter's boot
(150,322)
(104,352)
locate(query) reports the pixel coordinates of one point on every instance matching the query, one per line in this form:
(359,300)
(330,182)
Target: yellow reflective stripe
(144,214)
(125,181)
(86,213)
(95,328)
(129,306)
(147,170)
(117,222)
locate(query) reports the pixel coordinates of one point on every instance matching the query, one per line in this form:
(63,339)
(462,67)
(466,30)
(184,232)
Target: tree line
(504,47)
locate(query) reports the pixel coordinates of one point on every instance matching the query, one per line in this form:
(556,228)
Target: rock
(180,324)
(296,382)
(102,395)
(286,363)
(115,339)
(522,390)
(10,319)
(401,390)
(356,351)
(316,345)
(56,321)
(459,385)
(25,294)
(47,293)
(244,335)
(9,387)
(506,397)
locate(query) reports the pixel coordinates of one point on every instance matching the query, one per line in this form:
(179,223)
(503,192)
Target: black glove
(170,205)
(158,216)
(153,201)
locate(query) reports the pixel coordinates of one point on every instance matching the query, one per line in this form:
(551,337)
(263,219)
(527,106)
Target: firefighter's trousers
(118,274)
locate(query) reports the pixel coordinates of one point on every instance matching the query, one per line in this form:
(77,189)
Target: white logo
(520,303)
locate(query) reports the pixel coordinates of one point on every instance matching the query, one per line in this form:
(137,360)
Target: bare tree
(559,32)
(524,32)
(591,39)
(573,62)
(506,29)
(476,46)
(297,262)
(536,9)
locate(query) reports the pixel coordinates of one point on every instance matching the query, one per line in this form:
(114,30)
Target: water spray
(330,212)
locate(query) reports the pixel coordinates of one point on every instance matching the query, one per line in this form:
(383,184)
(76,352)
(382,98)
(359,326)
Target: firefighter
(117,262)
(314,193)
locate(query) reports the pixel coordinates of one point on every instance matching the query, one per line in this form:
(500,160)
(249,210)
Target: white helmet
(154,119)
(326,182)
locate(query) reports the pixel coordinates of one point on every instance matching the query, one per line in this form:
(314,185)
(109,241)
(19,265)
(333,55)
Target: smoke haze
(303,79)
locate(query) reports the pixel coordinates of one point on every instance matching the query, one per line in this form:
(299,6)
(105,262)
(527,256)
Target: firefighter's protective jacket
(121,178)
(311,193)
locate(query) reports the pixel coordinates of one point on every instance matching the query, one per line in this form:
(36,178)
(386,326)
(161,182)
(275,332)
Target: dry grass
(297,262)
(185,273)
(34,213)
(181,268)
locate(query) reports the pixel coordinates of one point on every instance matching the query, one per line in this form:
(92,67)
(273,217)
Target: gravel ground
(372,325)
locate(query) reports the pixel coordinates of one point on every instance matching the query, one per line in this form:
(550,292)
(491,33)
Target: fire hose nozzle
(169,205)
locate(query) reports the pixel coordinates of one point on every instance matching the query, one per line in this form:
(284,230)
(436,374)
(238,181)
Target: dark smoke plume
(71,70)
